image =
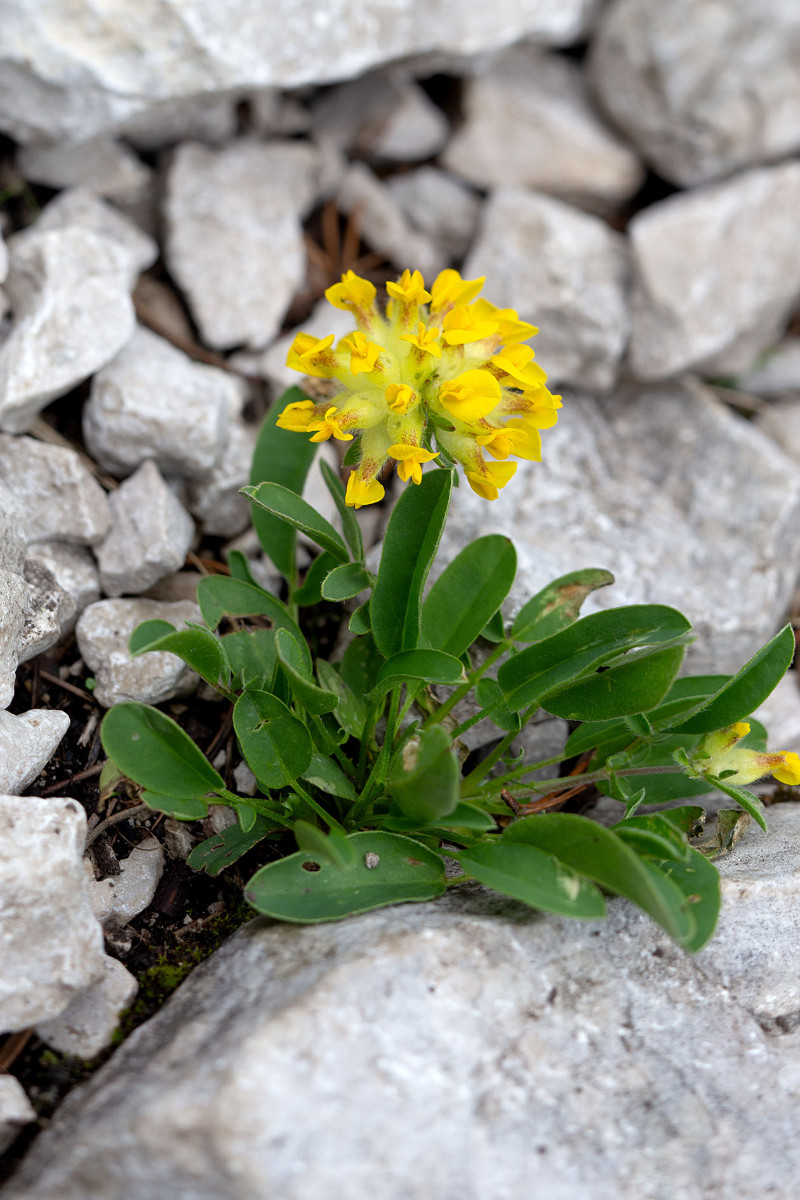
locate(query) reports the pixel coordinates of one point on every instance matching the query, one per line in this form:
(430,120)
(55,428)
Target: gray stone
(776,374)
(3,259)
(529,122)
(103,631)
(27,743)
(72,314)
(215,499)
(102,165)
(74,570)
(382,224)
(702,87)
(565,271)
(234,241)
(49,610)
(59,498)
(204,118)
(271,363)
(439,206)
(107,72)
(152,401)
(716,274)
(87,1024)
(384,114)
(13,590)
(120,898)
(415,1044)
(781,421)
(16,1110)
(149,537)
(52,944)
(668,526)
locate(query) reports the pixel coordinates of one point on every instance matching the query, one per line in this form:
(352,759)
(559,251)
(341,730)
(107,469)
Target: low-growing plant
(363,784)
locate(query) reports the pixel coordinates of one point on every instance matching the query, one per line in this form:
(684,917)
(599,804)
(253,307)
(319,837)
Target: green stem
(258,803)
(449,704)
(500,781)
(330,821)
(565,782)
(366,738)
(378,773)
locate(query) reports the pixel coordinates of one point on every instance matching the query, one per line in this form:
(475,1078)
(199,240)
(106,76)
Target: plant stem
(330,821)
(378,772)
(500,781)
(461,691)
(567,782)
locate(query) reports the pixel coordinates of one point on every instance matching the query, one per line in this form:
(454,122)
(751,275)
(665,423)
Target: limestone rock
(781,421)
(703,87)
(439,206)
(383,225)
(72,314)
(13,589)
(74,570)
(565,271)
(103,631)
(716,274)
(152,401)
(234,237)
(59,498)
(27,743)
(52,943)
(3,260)
(413,1044)
(102,165)
(107,72)
(87,1024)
(120,898)
(384,114)
(16,1110)
(215,499)
(529,122)
(669,527)
(150,534)
(776,374)
(203,118)
(49,610)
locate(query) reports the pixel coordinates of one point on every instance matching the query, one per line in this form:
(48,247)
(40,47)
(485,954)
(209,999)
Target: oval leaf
(425,782)
(329,777)
(468,593)
(432,666)
(297,512)
(219,596)
(633,685)
(346,581)
(197,646)
(153,750)
(276,745)
(387,868)
(557,605)
(528,874)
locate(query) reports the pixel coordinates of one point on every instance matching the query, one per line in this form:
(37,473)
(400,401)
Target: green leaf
(409,547)
(654,836)
(494,630)
(536,673)
(603,857)
(276,745)
(746,800)
(699,881)
(154,751)
(196,645)
(314,700)
(239,565)
(350,525)
(387,868)
(298,513)
(468,593)
(352,455)
(424,782)
(361,663)
(219,597)
(329,777)
(463,817)
(351,710)
(191,808)
(745,691)
(432,666)
(534,877)
(218,852)
(557,605)
(283,457)
(345,581)
(489,695)
(632,685)
(311,590)
(359,621)
(252,656)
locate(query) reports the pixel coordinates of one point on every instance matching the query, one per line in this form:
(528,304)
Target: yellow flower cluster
(720,754)
(439,368)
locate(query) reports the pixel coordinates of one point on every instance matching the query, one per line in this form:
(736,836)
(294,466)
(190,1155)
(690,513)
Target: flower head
(720,756)
(440,374)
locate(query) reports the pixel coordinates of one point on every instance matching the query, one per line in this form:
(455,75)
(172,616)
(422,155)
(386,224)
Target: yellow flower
(410,460)
(435,367)
(363,353)
(471,395)
(720,756)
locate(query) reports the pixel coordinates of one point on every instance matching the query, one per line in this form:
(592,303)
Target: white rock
(716,274)
(152,401)
(565,271)
(27,743)
(102,165)
(203,118)
(414,1044)
(59,498)
(149,537)
(3,260)
(669,527)
(52,945)
(16,1110)
(74,570)
(120,898)
(72,314)
(439,206)
(271,363)
(215,500)
(49,611)
(384,114)
(382,224)
(701,86)
(87,1024)
(103,631)
(234,240)
(776,374)
(13,589)
(781,421)
(106,72)
(529,122)
(80,208)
